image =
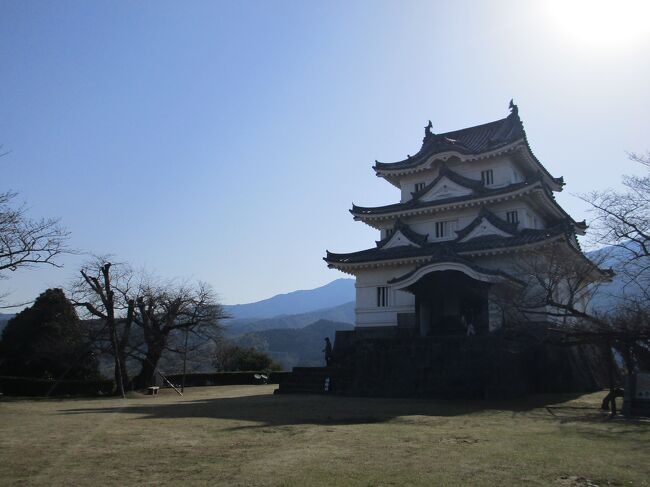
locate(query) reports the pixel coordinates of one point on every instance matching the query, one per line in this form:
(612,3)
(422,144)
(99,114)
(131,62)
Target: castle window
(382,297)
(512,217)
(487,177)
(419,186)
(389,232)
(440,229)
(446,229)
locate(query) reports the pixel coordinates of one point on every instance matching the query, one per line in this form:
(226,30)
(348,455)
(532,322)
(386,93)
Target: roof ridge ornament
(428,134)
(514,109)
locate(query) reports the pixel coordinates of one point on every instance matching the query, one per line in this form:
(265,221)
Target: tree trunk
(145,377)
(119,365)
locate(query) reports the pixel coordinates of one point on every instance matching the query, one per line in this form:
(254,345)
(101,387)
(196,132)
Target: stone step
(311,371)
(300,387)
(306,380)
(297,380)
(300,390)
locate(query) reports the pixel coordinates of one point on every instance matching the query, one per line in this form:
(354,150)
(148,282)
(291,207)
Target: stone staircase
(307,380)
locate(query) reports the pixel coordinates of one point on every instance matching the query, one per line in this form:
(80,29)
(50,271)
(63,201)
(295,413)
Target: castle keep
(472,202)
(475,207)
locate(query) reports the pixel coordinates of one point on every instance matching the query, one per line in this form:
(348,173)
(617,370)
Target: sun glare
(600,23)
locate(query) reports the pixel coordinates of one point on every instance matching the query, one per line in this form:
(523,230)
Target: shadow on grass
(285,410)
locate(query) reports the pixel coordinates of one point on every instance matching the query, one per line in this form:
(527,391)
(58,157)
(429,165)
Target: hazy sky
(225,141)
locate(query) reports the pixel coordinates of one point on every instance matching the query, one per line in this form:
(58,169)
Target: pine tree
(47,340)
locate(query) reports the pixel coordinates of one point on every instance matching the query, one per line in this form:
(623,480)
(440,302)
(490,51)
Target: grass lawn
(244,435)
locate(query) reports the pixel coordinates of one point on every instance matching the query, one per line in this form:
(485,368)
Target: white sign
(643,385)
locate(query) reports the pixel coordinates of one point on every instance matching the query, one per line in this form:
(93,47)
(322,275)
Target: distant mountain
(333,294)
(294,347)
(618,258)
(343,313)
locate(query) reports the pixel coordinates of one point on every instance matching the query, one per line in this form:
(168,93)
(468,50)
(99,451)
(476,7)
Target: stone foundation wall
(392,362)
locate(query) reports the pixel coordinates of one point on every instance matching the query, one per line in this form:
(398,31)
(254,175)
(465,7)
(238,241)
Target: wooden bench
(153,390)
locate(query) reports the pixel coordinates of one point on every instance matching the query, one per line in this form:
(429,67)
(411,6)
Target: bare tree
(560,284)
(25,242)
(622,218)
(572,296)
(167,309)
(563,289)
(103,291)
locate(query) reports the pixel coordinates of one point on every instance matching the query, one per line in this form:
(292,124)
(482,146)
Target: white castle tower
(473,201)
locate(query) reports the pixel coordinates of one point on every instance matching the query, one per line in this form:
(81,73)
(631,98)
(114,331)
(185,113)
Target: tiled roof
(488,242)
(502,225)
(450,256)
(453,176)
(416,203)
(476,140)
(472,140)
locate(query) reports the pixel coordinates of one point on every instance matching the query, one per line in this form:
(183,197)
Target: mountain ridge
(334,293)
(343,313)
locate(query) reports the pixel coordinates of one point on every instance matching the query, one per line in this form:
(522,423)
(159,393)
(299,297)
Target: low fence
(27,386)
(224,378)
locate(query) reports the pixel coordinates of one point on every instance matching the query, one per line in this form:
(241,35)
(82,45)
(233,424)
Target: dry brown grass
(243,435)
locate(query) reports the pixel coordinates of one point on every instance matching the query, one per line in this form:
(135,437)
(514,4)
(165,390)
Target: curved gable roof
(451,261)
(445,172)
(472,140)
(477,140)
(485,214)
(418,239)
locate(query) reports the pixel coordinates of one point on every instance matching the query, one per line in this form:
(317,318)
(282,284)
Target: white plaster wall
(528,218)
(504,170)
(367,312)
(407,183)
(426,224)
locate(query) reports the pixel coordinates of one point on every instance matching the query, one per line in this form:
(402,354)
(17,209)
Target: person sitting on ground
(609,401)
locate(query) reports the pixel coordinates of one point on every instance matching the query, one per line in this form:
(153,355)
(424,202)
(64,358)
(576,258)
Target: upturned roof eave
(390,174)
(498,194)
(421,163)
(343,266)
(451,141)
(580,227)
(553,207)
(333,262)
(456,259)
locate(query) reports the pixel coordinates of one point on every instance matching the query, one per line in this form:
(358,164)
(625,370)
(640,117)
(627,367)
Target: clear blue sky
(225,141)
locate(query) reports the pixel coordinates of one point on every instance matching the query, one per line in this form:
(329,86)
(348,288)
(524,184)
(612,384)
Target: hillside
(302,301)
(610,293)
(342,313)
(294,347)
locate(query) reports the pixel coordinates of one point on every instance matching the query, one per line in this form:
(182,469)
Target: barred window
(487,177)
(446,229)
(512,217)
(440,229)
(382,296)
(419,186)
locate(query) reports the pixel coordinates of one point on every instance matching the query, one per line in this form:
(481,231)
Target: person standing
(328,352)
